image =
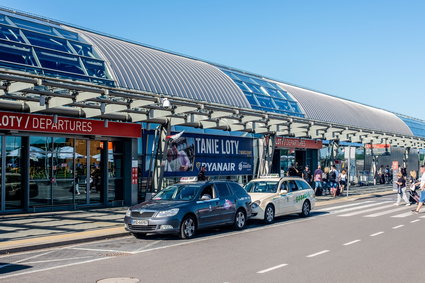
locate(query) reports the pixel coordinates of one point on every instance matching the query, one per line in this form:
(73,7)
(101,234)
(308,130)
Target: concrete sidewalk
(24,232)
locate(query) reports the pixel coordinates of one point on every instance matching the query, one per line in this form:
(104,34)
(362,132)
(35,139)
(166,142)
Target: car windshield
(178,192)
(261,187)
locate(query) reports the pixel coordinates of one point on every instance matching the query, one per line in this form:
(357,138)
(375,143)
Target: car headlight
(255,204)
(128,213)
(167,213)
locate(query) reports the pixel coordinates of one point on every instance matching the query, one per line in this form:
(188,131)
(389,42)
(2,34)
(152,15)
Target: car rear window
(303,185)
(223,190)
(238,190)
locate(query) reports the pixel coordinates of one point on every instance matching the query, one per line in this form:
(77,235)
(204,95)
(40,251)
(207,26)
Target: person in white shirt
(422,192)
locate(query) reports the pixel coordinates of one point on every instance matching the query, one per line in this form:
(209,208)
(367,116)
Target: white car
(276,196)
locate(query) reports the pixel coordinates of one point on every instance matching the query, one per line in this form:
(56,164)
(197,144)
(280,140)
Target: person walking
(318,173)
(401,190)
(422,192)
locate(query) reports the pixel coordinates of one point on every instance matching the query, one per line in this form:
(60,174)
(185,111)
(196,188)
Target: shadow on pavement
(10,267)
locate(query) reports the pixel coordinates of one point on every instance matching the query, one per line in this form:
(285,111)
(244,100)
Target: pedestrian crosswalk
(370,209)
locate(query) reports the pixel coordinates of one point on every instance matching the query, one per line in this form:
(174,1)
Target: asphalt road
(368,240)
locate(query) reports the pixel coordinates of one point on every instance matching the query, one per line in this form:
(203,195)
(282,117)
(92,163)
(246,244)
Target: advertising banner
(221,155)
(66,125)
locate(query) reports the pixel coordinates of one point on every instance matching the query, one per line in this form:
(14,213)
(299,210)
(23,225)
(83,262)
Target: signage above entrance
(66,125)
(298,143)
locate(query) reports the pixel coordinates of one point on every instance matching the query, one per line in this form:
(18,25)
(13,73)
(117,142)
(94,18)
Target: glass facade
(416,126)
(49,50)
(264,95)
(42,172)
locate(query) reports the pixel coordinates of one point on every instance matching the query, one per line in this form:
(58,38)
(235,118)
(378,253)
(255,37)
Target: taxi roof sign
(188,179)
(270,176)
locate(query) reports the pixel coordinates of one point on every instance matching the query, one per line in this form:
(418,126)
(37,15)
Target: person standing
(318,181)
(422,192)
(306,175)
(333,177)
(201,175)
(342,181)
(293,171)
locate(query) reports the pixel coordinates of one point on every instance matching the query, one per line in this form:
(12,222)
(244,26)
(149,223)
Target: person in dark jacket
(201,175)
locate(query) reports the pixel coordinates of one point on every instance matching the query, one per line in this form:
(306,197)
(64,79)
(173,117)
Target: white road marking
(60,259)
(359,207)
(365,211)
(25,259)
(385,212)
(413,221)
(352,242)
(399,226)
(54,267)
(376,234)
(100,250)
(148,245)
(272,268)
(343,206)
(402,215)
(319,253)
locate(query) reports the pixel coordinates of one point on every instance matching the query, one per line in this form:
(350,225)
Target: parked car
(184,208)
(276,196)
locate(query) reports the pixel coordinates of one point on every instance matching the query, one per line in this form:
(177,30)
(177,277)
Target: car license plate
(139,222)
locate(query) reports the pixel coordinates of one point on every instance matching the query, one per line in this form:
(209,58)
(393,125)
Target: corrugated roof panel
(322,107)
(142,68)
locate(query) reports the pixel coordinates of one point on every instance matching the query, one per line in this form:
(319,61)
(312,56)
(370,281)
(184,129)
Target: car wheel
(139,235)
(240,220)
(305,209)
(269,214)
(188,227)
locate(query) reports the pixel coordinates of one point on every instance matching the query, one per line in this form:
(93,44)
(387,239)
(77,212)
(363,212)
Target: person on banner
(201,175)
(181,161)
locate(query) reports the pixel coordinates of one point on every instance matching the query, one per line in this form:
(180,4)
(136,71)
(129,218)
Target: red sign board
(65,125)
(377,146)
(395,165)
(297,143)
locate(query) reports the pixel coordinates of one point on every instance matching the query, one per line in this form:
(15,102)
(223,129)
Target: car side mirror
(205,197)
(283,191)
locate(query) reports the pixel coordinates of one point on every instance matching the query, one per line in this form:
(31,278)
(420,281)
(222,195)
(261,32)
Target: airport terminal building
(90,120)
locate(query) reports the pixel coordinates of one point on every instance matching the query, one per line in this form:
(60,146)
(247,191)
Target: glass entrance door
(14,194)
(62,178)
(52,170)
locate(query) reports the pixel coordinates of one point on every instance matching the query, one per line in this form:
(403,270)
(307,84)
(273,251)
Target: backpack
(332,176)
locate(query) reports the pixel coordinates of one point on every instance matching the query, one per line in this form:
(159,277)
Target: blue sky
(368,51)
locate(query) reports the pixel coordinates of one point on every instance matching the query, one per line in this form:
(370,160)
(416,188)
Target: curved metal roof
(322,107)
(138,67)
